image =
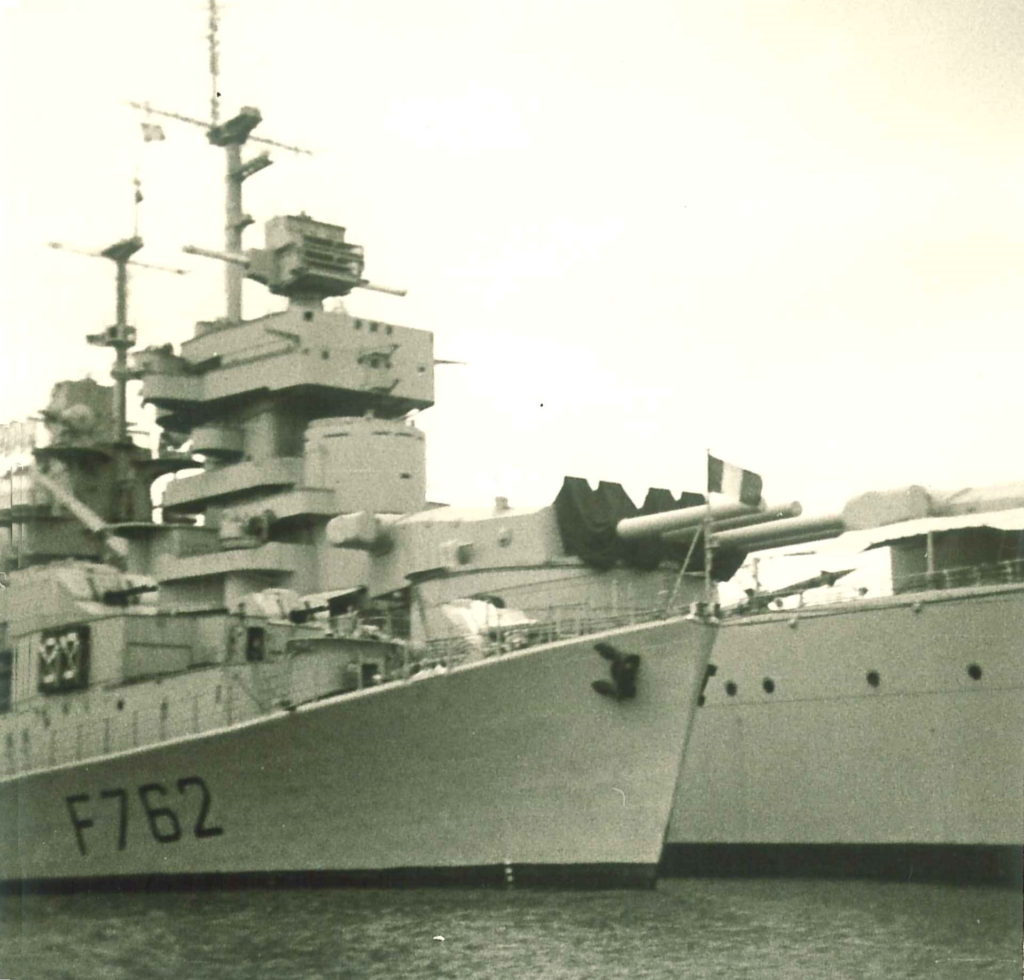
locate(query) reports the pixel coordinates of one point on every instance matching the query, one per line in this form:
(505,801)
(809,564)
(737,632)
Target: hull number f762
(169,815)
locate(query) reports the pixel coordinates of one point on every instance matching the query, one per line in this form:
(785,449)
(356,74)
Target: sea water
(685,928)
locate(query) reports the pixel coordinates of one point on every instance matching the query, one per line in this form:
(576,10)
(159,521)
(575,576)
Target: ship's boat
(871,731)
(304,671)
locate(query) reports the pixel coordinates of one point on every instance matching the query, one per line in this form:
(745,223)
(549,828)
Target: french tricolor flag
(733,481)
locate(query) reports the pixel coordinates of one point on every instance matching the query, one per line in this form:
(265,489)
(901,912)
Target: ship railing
(1008,572)
(48,731)
(565,622)
(993,573)
(41,734)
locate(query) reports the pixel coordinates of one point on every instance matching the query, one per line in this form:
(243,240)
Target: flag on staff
(152,131)
(733,481)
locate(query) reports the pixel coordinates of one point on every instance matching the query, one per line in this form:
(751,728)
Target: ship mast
(120,336)
(214,65)
(231,136)
(103,476)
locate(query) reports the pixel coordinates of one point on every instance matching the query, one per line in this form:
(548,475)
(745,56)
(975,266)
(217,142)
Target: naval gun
(874,515)
(680,525)
(936,538)
(459,552)
(594,550)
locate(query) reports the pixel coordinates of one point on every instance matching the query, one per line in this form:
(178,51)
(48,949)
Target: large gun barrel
(777,534)
(771,512)
(747,528)
(649,525)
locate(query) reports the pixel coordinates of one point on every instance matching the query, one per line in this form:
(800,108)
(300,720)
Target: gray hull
(891,728)
(509,769)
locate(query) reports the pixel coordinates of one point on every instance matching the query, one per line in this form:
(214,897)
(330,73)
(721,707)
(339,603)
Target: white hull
(930,756)
(514,764)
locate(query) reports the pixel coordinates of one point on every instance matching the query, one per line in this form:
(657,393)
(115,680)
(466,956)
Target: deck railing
(1007,572)
(993,573)
(54,730)
(565,622)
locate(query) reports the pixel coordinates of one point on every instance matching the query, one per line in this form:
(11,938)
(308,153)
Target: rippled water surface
(689,928)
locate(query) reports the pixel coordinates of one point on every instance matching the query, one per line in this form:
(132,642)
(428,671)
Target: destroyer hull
(884,735)
(510,770)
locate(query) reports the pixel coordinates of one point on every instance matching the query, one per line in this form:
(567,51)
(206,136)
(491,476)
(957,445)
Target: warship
(298,669)
(863,733)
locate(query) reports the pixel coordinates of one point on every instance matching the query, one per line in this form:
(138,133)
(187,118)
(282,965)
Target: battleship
(297,668)
(863,733)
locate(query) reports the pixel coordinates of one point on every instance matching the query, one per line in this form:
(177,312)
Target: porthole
(120,704)
(874,678)
(769,685)
(731,689)
(974,672)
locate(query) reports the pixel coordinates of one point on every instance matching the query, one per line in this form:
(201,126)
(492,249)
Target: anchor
(624,668)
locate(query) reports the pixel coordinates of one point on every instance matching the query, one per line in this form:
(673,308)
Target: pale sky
(792,232)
